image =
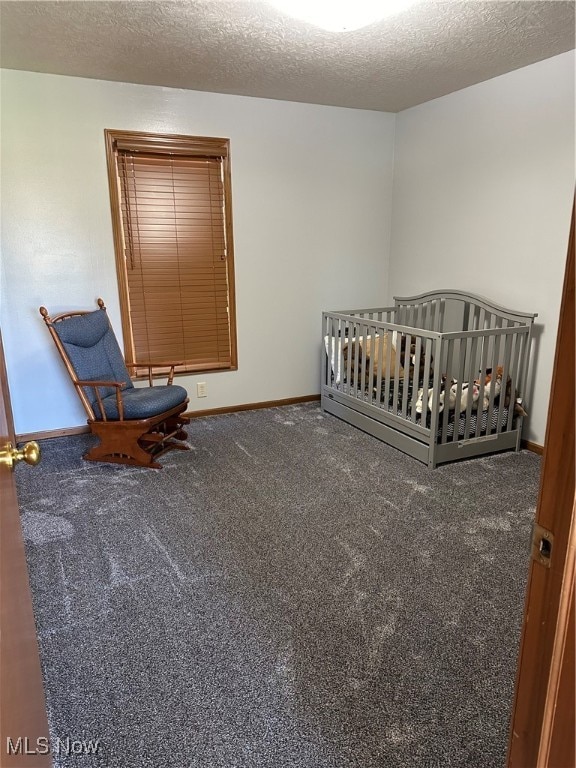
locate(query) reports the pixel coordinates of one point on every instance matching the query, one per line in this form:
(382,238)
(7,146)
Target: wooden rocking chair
(134,425)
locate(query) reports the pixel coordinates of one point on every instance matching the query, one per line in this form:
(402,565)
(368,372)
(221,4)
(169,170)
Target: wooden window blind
(174,238)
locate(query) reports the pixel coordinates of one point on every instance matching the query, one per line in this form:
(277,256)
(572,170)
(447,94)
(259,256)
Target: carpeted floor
(292,593)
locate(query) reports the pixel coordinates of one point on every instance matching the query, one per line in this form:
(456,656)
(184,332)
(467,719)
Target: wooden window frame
(169,144)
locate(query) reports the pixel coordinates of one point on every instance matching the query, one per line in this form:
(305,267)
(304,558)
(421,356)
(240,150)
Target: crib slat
(352,355)
(338,341)
(326,359)
(335,351)
(507,341)
(494,365)
(445,412)
(471,351)
(396,384)
(370,373)
(466,316)
(481,318)
(332,350)
(378,372)
(387,372)
(516,357)
(514,364)
(482,377)
(459,390)
(489,322)
(406,379)
(382,336)
(475,317)
(432,315)
(441,315)
(524,362)
(416,382)
(361,381)
(426,375)
(422,321)
(523,359)
(342,339)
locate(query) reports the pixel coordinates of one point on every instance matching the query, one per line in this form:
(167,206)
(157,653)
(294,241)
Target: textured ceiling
(247,47)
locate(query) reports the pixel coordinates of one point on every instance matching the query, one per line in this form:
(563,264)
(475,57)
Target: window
(171,214)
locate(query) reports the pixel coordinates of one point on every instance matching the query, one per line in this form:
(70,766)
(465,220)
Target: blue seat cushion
(143,402)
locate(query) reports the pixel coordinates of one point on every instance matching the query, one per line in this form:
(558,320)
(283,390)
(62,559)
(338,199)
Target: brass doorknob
(30,453)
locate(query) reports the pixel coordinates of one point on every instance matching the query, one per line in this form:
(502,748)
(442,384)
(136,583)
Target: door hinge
(542,543)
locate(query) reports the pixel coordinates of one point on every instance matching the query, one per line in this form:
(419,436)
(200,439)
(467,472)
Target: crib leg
(519,428)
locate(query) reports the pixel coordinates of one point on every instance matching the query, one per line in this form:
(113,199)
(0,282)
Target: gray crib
(440,376)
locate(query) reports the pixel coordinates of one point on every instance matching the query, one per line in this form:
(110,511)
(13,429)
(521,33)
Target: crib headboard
(448,310)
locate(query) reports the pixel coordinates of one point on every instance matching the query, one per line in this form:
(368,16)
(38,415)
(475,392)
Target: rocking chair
(134,425)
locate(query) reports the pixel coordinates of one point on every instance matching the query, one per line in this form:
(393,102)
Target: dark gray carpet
(292,593)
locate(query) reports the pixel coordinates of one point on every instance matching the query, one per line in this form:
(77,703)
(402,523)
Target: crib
(441,376)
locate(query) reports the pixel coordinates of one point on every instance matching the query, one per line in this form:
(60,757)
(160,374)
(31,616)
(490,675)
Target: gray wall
(483,190)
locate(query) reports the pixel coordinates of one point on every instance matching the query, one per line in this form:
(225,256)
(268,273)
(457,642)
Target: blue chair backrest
(93,351)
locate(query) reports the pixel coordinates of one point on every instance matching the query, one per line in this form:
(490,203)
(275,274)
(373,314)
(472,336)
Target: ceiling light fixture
(341,15)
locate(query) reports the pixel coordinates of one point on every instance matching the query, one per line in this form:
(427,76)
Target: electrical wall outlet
(201,389)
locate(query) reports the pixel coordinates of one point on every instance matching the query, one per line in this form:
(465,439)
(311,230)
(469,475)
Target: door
(23,724)
(542,733)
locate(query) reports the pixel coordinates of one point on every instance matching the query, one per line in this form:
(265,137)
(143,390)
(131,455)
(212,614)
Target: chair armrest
(95,384)
(152,366)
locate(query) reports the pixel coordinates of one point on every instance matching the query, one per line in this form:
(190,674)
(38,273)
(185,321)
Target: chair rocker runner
(134,425)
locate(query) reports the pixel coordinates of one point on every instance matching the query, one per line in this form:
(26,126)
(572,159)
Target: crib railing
(488,369)
(371,359)
(406,372)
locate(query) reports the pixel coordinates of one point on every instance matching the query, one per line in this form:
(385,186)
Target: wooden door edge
(567,595)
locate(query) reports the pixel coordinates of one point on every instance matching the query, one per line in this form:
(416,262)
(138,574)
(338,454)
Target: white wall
(483,190)
(317,238)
